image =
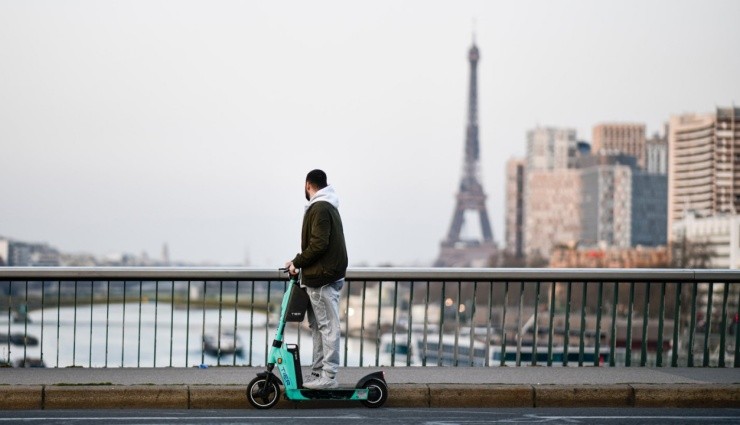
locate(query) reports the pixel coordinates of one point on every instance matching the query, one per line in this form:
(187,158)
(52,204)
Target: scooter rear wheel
(377,393)
(263,394)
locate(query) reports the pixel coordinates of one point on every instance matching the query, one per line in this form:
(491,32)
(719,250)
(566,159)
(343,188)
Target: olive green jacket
(323,259)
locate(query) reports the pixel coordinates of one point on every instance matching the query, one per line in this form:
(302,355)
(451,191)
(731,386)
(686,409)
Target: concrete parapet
(21,397)
(472,395)
(583,395)
(686,395)
(116,397)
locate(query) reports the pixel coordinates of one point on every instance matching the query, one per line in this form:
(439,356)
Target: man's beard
(308,198)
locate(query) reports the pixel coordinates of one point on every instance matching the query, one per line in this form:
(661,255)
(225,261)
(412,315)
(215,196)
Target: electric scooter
(263,392)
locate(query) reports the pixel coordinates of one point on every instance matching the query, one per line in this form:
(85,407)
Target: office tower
(624,138)
(656,154)
(622,206)
(552,213)
(551,191)
(550,148)
(515,207)
(703,167)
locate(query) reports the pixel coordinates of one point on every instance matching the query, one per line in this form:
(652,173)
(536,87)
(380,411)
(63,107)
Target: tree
(691,254)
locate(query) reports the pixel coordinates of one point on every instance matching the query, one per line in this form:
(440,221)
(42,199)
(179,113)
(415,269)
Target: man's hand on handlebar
(291,268)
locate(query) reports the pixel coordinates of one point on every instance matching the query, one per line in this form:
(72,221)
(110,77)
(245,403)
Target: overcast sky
(126,125)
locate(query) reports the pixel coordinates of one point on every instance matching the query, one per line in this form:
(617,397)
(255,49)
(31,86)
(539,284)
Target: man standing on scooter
(323,263)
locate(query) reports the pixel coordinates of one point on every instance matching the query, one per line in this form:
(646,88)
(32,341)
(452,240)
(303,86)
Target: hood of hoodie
(326,194)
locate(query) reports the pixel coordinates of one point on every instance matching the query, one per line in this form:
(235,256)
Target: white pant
(323,318)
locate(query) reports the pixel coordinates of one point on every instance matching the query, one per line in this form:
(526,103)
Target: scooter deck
(334,394)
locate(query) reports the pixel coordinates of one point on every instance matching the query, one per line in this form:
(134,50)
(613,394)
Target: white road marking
(170,418)
(579,419)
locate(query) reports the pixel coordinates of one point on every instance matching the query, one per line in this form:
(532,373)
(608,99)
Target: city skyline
(194,124)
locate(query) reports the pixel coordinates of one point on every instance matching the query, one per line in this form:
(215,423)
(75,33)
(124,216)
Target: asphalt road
(379,416)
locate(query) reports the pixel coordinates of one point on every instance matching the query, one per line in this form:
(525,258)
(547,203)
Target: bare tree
(691,254)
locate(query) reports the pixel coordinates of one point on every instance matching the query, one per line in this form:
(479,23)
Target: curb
(583,396)
(700,395)
(29,397)
(116,397)
(21,397)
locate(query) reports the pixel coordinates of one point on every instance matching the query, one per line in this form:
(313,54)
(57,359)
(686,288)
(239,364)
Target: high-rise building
(551,190)
(515,207)
(550,148)
(606,205)
(624,138)
(622,206)
(456,250)
(656,154)
(552,210)
(703,167)
(649,209)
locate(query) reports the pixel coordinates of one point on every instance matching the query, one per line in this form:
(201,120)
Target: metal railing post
(156,321)
(661,320)
(107,320)
(74,331)
(362,323)
(59,307)
(426,321)
(378,326)
(187,326)
(443,301)
(613,332)
(123,328)
(645,320)
(692,325)
(236,320)
(503,324)
(471,353)
(552,319)
(581,344)
(220,318)
(628,347)
(536,327)
(43,309)
(599,305)
(456,348)
(410,326)
(736,325)
(519,332)
(676,325)
(489,324)
(172,317)
(393,324)
(566,336)
(92,303)
(708,325)
(723,326)
(138,339)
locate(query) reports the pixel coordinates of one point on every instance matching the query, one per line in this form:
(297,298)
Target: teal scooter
(263,392)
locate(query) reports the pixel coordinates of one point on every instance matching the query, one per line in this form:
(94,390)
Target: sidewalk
(225,387)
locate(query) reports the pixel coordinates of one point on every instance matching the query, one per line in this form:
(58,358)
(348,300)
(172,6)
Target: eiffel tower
(455,251)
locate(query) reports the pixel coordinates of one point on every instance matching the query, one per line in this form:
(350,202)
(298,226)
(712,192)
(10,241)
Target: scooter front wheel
(263,393)
(377,393)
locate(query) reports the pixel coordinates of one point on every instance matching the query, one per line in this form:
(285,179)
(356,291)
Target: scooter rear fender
(375,375)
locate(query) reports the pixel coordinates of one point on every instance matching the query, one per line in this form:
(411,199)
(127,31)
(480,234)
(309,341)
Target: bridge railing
(163,317)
